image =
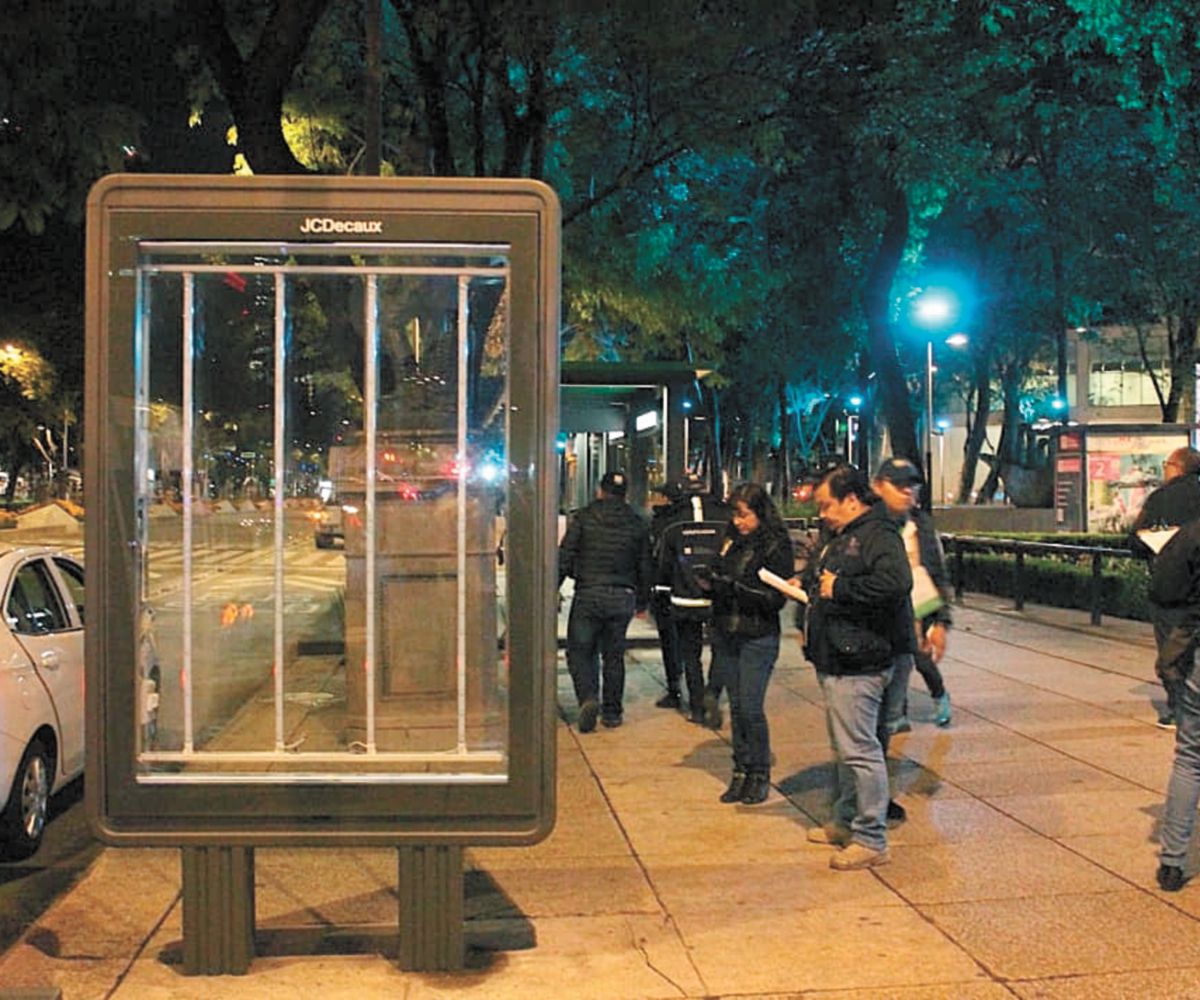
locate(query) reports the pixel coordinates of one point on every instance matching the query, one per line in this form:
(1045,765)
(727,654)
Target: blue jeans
(1183,790)
(853,704)
(596,630)
(744,666)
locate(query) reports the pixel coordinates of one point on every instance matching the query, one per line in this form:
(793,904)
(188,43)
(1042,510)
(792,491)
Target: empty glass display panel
(322,469)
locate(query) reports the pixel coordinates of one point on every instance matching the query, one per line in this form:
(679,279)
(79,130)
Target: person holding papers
(745,641)
(1174,503)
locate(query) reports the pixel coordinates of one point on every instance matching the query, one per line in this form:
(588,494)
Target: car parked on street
(41,688)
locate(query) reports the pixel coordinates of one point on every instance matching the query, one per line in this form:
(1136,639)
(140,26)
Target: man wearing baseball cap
(606,550)
(898,485)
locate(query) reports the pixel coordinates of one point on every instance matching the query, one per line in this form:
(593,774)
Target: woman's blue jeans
(744,665)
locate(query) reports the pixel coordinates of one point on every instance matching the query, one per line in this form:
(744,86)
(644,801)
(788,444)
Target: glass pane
(323,464)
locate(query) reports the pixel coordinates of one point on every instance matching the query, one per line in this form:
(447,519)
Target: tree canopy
(755,183)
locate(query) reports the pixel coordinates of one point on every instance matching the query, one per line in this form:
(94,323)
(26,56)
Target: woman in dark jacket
(746,631)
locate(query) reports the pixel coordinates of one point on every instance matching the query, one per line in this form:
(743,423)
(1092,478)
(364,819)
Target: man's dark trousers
(596,628)
(689,633)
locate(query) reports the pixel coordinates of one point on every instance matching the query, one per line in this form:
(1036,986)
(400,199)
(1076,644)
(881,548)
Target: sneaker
(896,813)
(696,715)
(833,834)
(612,721)
(669,700)
(1170,878)
(942,718)
(855,857)
(588,712)
(1166,721)
(900,725)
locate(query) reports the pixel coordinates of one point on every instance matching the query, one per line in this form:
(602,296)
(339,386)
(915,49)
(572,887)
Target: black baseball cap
(614,483)
(900,472)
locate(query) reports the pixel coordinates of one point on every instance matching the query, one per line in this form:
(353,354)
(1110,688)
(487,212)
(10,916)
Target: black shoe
(896,813)
(696,715)
(734,792)
(587,715)
(669,700)
(1166,721)
(756,790)
(1170,878)
(611,721)
(712,710)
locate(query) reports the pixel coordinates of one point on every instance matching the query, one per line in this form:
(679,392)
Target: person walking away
(746,631)
(860,618)
(606,550)
(898,485)
(688,549)
(1175,502)
(1175,585)
(660,599)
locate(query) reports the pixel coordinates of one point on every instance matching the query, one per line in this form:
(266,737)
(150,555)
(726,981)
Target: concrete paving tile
(100,918)
(947,991)
(951,818)
(1074,813)
(747,832)
(1170,984)
(1032,938)
(321,885)
(936,747)
(732,892)
(1036,776)
(584,959)
(560,888)
(1134,858)
(794,952)
(978,869)
(1143,755)
(339,978)
(84,978)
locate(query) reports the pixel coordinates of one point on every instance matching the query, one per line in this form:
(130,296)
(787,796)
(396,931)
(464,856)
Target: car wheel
(151,696)
(24,819)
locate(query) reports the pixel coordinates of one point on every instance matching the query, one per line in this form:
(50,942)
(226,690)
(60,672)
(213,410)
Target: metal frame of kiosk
(277,360)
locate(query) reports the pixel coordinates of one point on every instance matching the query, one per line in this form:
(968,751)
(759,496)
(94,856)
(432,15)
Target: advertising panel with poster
(1122,469)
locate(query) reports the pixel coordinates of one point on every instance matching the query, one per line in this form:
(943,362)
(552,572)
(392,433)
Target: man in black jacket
(606,550)
(1175,502)
(860,617)
(1175,586)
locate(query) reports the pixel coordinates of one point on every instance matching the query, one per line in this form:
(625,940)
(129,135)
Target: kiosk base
(218,910)
(431,908)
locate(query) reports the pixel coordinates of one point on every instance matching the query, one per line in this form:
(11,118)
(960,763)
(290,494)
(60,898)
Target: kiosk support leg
(431,908)
(218,910)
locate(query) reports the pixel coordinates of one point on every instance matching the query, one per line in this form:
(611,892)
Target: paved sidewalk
(1026,868)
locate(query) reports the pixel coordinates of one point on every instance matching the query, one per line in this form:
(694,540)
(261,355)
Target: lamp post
(929,415)
(943,425)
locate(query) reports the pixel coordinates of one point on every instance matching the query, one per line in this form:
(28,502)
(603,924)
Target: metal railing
(957,546)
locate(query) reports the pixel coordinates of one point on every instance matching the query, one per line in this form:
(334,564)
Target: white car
(41,688)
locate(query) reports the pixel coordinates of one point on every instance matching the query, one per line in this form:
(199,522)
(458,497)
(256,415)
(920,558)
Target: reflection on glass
(322,467)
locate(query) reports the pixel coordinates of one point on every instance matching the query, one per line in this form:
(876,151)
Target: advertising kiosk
(321,496)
